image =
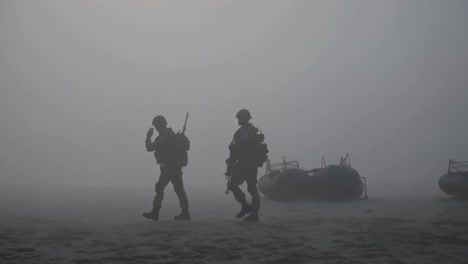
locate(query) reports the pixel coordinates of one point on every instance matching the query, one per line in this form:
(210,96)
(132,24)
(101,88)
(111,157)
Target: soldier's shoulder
(239,130)
(252,128)
(167,134)
(170,131)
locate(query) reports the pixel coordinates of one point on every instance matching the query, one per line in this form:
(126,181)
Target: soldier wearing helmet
(163,148)
(244,166)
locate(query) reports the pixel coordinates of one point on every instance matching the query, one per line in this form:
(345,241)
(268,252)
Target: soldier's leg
(159,188)
(163,181)
(237,178)
(239,195)
(178,185)
(253,190)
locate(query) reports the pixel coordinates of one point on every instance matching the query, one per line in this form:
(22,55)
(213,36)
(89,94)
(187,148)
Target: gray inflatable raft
(287,181)
(455,181)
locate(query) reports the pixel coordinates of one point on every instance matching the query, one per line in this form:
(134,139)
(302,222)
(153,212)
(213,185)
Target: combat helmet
(244,114)
(159,120)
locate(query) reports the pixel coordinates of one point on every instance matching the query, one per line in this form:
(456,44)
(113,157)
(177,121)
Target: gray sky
(80,81)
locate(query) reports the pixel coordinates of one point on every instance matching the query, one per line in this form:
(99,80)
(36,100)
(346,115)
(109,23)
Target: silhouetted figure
(247,153)
(167,156)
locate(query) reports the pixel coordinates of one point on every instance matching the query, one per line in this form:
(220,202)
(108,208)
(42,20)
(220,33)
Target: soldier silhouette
(247,153)
(167,156)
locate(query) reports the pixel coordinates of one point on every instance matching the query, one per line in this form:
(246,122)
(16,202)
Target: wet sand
(93,225)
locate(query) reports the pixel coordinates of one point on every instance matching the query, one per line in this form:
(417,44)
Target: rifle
(185,123)
(182,145)
(228,174)
(230,165)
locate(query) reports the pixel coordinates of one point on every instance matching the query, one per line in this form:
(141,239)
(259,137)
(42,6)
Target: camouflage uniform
(245,165)
(163,148)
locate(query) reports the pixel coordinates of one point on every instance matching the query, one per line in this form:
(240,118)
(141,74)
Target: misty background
(80,82)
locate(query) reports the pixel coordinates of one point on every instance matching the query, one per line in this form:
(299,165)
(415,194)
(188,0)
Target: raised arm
(148,144)
(164,141)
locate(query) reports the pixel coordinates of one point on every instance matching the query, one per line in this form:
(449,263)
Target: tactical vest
(168,154)
(255,152)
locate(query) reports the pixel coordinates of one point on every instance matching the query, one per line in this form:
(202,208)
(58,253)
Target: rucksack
(181,147)
(261,150)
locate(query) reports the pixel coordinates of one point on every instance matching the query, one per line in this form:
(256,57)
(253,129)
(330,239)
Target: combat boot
(153,215)
(253,217)
(185,215)
(246,209)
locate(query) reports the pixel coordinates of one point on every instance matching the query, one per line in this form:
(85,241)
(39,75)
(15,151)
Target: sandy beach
(96,225)
(95,94)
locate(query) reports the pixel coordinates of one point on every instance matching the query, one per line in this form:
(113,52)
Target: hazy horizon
(81,81)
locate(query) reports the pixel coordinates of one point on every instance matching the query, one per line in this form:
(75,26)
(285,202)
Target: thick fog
(80,81)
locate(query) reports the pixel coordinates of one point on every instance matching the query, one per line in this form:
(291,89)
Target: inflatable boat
(455,181)
(288,181)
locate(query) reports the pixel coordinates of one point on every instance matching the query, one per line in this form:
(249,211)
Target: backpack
(260,150)
(181,148)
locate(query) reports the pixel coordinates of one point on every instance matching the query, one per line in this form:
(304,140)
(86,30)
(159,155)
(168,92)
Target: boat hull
(331,183)
(455,183)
